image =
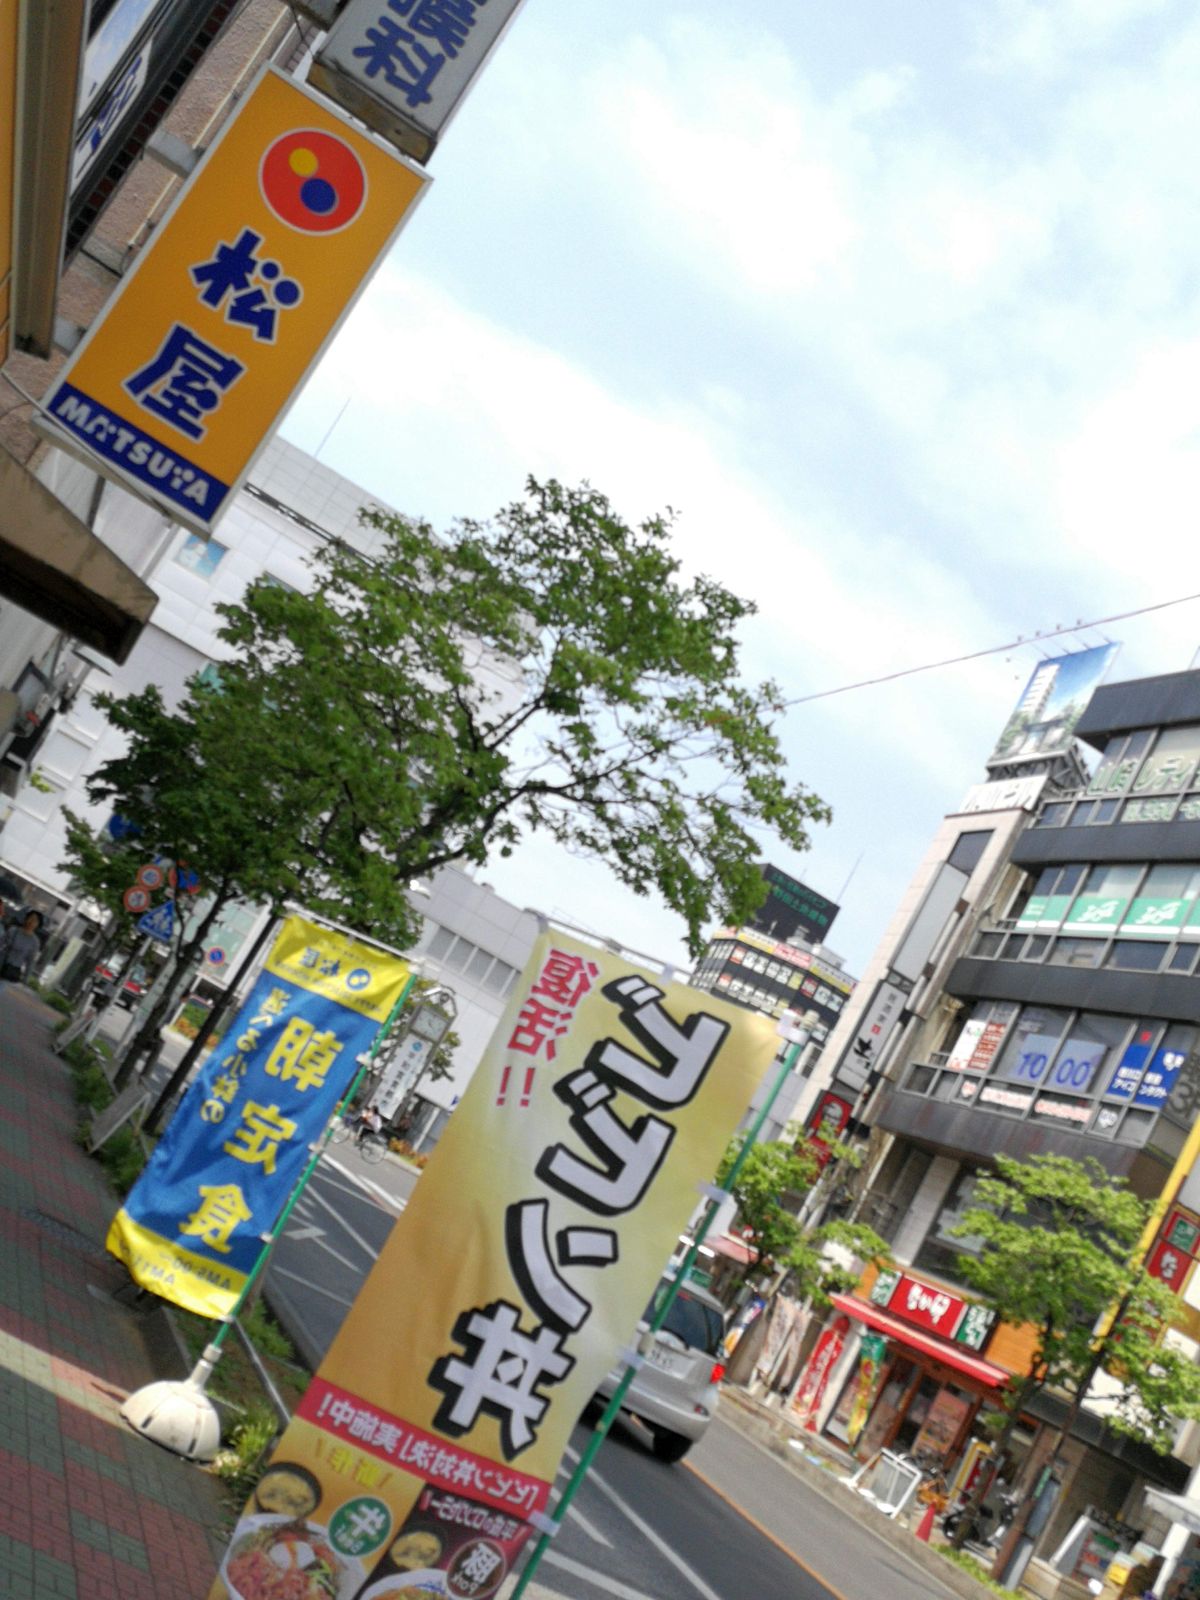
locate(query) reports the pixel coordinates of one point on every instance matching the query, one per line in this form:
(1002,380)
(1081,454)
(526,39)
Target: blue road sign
(159,923)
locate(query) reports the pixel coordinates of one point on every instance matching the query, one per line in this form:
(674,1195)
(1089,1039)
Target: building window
(1183,958)
(1170,764)
(1072,952)
(1090,812)
(1136,955)
(1122,756)
(199,556)
(968,849)
(1055,815)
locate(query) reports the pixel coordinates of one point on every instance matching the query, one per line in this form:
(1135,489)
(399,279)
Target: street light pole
(799,1036)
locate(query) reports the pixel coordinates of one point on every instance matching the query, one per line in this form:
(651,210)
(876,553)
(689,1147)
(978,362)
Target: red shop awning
(951,1355)
(735,1249)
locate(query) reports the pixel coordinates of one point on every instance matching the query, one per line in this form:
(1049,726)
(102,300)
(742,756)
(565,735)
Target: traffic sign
(216,955)
(151,876)
(159,923)
(136,899)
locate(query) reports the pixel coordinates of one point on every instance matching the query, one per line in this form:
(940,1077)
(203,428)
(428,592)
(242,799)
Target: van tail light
(718,1372)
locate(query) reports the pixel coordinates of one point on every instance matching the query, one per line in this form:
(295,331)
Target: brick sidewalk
(88,1511)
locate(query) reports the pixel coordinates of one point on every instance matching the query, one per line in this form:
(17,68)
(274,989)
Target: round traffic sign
(151,876)
(137,899)
(216,955)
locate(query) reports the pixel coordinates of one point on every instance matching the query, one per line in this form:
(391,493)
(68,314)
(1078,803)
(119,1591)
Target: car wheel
(670,1447)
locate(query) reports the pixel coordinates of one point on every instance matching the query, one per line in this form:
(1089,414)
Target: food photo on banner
(191,1228)
(422,1455)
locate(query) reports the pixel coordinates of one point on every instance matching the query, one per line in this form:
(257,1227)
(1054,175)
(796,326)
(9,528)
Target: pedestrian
(20,947)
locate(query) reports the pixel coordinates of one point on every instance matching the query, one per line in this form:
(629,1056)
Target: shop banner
(191,1228)
(432,1432)
(870,1375)
(814,1380)
(185,375)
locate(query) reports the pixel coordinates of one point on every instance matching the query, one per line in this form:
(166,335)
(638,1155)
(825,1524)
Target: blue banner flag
(192,1227)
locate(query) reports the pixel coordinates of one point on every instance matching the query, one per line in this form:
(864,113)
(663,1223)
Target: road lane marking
(294,1277)
(380,1193)
(766,1532)
(589,1527)
(317,1198)
(660,1544)
(599,1580)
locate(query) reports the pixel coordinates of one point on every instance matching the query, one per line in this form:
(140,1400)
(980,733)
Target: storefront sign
(1148,918)
(404,67)
(185,375)
(1127,1073)
(1077,1111)
(871,1354)
(1044,911)
(930,1306)
(1096,913)
(1160,1077)
(191,1229)
(862,1056)
(1017,1100)
(1004,794)
(522,1261)
(976,1046)
(1169,1264)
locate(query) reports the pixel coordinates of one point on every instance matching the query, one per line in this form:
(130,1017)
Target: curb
(772,1433)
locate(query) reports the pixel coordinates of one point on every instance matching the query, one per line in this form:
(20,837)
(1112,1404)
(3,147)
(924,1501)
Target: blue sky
(898,306)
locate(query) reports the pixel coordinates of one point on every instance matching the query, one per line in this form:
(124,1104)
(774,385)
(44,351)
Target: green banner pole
(614,1405)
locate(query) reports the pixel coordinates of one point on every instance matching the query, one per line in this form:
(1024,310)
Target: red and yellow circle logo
(312,181)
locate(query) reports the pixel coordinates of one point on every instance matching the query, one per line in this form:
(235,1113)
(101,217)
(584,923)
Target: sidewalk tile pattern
(88,1510)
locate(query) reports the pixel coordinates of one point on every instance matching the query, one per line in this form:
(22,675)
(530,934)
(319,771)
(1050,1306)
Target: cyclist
(369,1122)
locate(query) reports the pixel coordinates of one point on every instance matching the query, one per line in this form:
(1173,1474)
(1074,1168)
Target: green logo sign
(360,1526)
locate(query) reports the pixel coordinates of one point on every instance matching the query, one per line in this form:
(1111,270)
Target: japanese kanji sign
(184,377)
(523,1261)
(191,1228)
(404,66)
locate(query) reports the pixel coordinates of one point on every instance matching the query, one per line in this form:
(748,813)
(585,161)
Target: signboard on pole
(517,1272)
(405,68)
(191,1228)
(401,1073)
(185,376)
(1044,719)
(865,1052)
(160,923)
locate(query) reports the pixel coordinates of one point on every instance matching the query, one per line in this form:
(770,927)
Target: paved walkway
(88,1511)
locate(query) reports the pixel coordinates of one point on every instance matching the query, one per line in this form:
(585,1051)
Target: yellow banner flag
(520,1267)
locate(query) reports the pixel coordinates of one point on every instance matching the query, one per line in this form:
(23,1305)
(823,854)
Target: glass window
(1120,762)
(478,965)
(1189,808)
(1014,945)
(1136,955)
(459,954)
(968,849)
(200,556)
(1094,811)
(1071,952)
(1069,878)
(440,943)
(1091,1041)
(694,1324)
(1183,958)
(1053,816)
(1036,945)
(1171,763)
(988,945)
(1032,1042)
(1149,810)
(1118,880)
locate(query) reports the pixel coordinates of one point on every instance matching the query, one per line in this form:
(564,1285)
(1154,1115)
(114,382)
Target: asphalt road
(333,1235)
(728,1523)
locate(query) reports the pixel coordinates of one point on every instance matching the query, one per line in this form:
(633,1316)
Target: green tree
(1058,1251)
(353,743)
(769,1191)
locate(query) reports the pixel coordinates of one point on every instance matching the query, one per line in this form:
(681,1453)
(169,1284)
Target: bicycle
(373,1147)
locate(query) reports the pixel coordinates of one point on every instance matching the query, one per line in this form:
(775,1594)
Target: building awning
(53,565)
(1179,1508)
(733,1249)
(951,1355)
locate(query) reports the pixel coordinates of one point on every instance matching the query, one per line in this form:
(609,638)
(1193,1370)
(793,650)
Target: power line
(992,650)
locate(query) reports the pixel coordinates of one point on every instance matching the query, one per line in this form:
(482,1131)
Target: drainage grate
(64,1233)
